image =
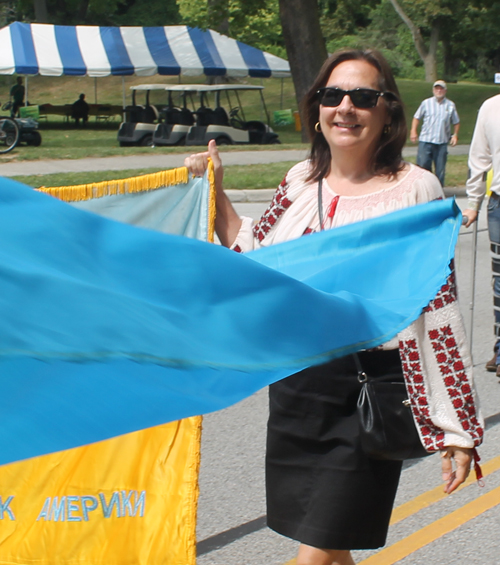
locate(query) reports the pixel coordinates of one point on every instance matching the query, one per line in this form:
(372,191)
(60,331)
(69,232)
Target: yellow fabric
(211,202)
(489,178)
(155,469)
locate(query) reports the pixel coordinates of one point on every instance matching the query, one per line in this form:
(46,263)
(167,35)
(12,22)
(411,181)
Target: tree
(344,17)
(255,22)
(99,12)
(41,12)
(218,15)
(472,46)
(428,14)
(304,42)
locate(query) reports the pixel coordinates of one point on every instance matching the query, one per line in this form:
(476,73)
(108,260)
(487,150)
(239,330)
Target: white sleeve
(245,240)
(439,378)
(480,162)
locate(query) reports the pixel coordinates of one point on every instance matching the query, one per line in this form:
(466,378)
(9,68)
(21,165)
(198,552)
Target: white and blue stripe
(31,49)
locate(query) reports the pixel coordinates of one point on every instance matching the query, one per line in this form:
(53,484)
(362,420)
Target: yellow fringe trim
(211,202)
(192,479)
(142,183)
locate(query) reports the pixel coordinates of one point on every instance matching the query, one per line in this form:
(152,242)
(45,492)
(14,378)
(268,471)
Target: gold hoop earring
(387,129)
(317,127)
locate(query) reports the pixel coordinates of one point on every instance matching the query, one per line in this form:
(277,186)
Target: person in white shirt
(437,115)
(485,155)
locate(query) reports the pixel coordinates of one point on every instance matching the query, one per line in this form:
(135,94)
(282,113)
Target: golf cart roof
(196,87)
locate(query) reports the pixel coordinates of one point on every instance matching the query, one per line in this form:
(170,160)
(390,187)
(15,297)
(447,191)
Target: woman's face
(349,127)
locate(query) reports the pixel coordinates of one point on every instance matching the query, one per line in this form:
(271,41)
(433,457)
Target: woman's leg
(309,555)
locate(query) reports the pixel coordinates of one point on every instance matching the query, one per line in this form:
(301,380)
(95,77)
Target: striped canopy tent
(51,50)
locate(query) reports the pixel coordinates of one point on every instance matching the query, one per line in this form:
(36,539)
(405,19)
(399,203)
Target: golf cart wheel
(223,140)
(9,134)
(36,139)
(147,141)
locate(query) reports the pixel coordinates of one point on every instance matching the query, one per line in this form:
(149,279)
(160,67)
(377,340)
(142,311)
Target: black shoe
(492,366)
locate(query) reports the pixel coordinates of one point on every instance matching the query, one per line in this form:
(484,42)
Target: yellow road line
(437,529)
(436,494)
(424,501)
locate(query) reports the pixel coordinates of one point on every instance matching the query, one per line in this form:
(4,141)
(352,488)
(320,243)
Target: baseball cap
(439,83)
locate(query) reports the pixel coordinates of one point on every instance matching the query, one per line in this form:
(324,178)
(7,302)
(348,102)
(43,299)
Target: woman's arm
(227,221)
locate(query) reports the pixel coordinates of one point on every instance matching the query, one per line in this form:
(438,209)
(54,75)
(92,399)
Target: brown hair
(388,156)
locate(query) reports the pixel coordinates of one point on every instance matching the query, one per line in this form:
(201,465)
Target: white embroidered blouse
(434,352)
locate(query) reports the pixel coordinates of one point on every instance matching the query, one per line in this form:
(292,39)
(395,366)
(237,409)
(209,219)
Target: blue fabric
(117,54)
(161,51)
(23,50)
(69,51)
(181,209)
(207,52)
(255,60)
(107,328)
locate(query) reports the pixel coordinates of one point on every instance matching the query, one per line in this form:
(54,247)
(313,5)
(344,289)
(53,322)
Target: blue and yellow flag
(107,329)
(131,498)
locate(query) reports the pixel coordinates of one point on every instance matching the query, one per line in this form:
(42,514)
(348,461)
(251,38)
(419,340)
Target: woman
(322,490)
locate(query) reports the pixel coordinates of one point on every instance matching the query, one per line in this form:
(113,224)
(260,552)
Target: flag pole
(473,282)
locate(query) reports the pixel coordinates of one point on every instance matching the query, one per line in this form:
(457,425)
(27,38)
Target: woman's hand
(227,221)
(463,459)
(197,164)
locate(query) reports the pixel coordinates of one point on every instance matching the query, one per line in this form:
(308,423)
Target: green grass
(456,170)
(235,176)
(100,141)
(62,141)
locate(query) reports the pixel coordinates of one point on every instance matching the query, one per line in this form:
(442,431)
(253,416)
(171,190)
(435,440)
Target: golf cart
(226,122)
(28,131)
(174,120)
(141,119)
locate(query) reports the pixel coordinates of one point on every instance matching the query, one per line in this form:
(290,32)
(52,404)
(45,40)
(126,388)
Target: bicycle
(9,133)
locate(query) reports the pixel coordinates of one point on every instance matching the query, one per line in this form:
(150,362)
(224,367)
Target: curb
(256,195)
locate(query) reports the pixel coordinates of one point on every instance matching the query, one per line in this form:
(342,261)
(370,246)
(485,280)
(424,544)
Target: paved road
(231,525)
(162,159)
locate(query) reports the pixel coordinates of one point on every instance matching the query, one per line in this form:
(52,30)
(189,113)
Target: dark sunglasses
(360,97)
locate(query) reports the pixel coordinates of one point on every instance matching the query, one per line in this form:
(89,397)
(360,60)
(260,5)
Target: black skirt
(322,490)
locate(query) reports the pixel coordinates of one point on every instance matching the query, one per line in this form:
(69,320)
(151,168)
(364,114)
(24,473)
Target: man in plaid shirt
(438,114)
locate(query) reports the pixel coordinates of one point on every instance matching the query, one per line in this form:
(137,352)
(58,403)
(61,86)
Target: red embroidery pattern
(278,205)
(446,295)
(432,436)
(307,231)
(455,379)
(237,248)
